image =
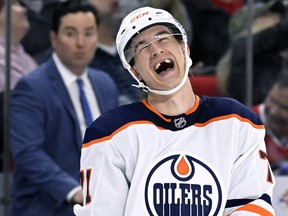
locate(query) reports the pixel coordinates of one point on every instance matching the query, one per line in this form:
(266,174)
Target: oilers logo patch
(190,188)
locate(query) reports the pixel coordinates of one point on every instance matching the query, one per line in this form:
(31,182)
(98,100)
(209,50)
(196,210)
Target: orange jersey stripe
(92,142)
(255,209)
(228,117)
(196,105)
(85,145)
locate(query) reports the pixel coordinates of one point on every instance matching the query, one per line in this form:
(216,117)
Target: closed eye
(141,46)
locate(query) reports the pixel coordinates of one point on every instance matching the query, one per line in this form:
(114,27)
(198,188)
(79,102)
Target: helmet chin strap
(177,88)
(166,92)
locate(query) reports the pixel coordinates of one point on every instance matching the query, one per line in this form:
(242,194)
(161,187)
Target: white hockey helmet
(139,20)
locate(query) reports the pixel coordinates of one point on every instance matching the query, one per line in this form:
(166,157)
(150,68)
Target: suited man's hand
(77,198)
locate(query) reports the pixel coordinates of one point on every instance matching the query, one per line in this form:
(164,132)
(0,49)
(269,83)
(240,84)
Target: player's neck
(175,104)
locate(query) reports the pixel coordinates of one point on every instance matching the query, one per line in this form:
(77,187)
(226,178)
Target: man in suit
(47,121)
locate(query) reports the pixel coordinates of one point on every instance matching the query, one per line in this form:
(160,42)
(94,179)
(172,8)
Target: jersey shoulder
(214,107)
(114,119)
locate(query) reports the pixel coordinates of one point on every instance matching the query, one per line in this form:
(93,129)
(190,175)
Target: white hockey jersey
(210,160)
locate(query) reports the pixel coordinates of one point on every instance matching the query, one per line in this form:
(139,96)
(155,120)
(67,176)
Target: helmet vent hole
(133,27)
(149,18)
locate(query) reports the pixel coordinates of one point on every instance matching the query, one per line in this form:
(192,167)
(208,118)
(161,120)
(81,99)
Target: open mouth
(164,66)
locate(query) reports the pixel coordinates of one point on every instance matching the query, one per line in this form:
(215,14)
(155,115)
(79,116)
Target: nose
(155,49)
(80,40)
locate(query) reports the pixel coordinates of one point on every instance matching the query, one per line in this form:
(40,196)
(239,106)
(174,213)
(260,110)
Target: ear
(188,50)
(183,48)
(138,76)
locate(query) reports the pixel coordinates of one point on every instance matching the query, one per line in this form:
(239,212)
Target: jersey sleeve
(105,170)
(98,163)
(252,180)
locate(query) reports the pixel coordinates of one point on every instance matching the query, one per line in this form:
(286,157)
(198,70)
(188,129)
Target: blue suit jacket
(46,140)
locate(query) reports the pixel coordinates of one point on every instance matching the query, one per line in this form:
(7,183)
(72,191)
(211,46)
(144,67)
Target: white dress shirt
(69,79)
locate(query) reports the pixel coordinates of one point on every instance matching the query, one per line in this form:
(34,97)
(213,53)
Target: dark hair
(72,6)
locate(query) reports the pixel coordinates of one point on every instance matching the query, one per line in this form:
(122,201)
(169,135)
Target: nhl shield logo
(180,122)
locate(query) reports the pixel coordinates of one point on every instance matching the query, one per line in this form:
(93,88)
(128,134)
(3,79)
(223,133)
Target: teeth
(158,65)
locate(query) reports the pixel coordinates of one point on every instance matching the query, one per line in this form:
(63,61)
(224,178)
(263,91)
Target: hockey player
(175,153)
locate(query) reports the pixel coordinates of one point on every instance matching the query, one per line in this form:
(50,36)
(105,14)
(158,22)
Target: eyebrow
(69,28)
(145,42)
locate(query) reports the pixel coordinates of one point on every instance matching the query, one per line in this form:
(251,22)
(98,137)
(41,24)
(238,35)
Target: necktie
(84,103)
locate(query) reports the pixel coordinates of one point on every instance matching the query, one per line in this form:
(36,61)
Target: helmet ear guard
(136,22)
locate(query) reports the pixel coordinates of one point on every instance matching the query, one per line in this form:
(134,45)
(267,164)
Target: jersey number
(263,156)
(86,177)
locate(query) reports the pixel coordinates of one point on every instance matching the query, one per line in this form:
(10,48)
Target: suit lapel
(61,92)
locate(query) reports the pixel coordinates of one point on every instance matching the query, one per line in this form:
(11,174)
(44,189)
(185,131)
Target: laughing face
(159,58)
